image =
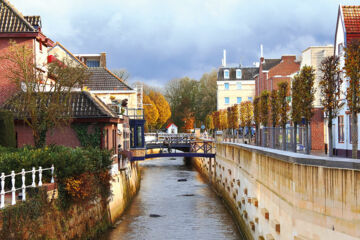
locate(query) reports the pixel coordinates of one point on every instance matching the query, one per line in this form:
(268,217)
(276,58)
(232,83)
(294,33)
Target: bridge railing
(169,138)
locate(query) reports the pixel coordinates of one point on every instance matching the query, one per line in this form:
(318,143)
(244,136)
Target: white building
(172,128)
(347,28)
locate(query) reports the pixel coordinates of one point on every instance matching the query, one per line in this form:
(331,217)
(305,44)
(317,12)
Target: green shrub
(7,129)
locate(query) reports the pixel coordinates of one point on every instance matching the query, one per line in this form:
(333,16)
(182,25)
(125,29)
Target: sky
(158,40)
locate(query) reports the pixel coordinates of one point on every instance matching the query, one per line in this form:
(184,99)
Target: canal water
(174,202)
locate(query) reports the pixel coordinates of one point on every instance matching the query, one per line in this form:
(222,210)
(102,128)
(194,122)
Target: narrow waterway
(174,202)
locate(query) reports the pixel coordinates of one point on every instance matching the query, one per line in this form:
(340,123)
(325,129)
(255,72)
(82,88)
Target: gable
(61,53)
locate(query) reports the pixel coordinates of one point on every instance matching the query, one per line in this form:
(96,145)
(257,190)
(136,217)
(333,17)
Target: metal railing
(132,113)
(169,137)
(13,189)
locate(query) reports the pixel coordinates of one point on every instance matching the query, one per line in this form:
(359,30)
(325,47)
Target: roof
(103,79)
(351,16)
(170,125)
(83,105)
(247,73)
(270,63)
(12,21)
(68,52)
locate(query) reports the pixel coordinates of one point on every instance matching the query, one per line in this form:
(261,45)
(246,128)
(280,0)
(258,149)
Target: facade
(274,71)
(172,128)
(24,30)
(347,29)
(312,56)
(93,60)
(235,84)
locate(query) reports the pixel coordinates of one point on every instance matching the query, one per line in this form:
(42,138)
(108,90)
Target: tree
(151,112)
(274,104)
(223,119)
(330,91)
(216,119)
(45,95)
(188,120)
(163,108)
(283,109)
(256,107)
(264,112)
(123,74)
(296,106)
(307,76)
(233,118)
(352,69)
(206,97)
(209,122)
(246,116)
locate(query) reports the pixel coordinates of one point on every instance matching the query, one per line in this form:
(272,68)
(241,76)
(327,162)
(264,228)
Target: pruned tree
(296,106)
(223,119)
(44,100)
(264,112)
(330,91)
(151,113)
(274,105)
(257,120)
(283,92)
(209,122)
(247,114)
(307,76)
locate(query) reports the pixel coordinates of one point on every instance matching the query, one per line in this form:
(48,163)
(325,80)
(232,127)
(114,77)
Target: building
(274,71)
(234,84)
(312,56)
(24,30)
(171,128)
(93,60)
(347,29)
(97,114)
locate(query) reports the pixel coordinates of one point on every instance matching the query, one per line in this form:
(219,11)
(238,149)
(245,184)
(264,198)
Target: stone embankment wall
(281,195)
(80,221)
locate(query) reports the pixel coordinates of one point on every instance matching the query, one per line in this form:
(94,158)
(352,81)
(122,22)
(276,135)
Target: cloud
(162,39)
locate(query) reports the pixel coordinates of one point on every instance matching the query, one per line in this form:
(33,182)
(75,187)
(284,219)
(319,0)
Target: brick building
(24,30)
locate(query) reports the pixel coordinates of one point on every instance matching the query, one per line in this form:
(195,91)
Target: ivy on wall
(86,138)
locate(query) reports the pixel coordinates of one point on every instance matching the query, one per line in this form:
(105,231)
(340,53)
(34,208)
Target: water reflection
(166,208)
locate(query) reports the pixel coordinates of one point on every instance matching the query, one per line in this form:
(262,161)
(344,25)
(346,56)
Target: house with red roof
(24,30)
(347,29)
(171,128)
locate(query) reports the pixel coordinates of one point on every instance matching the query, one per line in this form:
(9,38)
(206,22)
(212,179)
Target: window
(227,100)
(93,63)
(226,86)
(226,74)
(238,85)
(341,129)
(139,136)
(238,73)
(250,99)
(238,100)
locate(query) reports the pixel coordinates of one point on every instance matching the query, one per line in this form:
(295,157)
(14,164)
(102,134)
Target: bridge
(176,145)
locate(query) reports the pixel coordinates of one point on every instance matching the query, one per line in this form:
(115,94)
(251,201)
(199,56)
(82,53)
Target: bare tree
(123,74)
(330,90)
(44,95)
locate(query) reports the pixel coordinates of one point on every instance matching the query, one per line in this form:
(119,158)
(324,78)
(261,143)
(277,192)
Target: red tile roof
(352,21)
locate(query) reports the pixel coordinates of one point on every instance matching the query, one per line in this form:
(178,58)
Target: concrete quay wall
(280,195)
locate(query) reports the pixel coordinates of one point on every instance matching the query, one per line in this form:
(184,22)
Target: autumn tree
(163,108)
(274,105)
(216,119)
(151,112)
(44,99)
(205,101)
(283,109)
(246,116)
(257,120)
(296,106)
(235,121)
(209,122)
(330,90)
(223,119)
(264,111)
(307,76)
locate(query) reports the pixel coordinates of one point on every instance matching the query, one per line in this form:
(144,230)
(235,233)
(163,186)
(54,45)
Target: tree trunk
(243,134)
(330,138)
(295,138)
(307,137)
(284,137)
(257,135)
(354,135)
(273,137)
(39,138)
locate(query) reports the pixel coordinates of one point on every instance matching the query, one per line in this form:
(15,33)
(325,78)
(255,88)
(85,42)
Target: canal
(174,202)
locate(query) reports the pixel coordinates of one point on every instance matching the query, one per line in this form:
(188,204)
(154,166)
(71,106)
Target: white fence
(23,187)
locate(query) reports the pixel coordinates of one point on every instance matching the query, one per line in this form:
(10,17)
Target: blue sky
(158,40)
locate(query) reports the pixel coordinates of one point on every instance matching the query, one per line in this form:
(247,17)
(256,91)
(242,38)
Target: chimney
(261,53)
(103,59)
(224,59)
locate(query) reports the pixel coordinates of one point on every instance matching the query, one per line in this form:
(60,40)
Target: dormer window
(226,74)
(238,73)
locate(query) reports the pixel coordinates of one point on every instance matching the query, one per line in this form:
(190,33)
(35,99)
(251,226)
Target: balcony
(132,113)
